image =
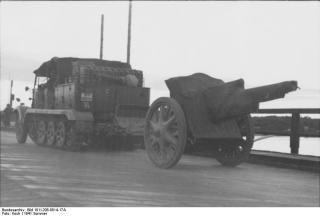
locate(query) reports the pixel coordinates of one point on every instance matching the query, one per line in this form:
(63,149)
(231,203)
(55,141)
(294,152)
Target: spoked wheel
(165,132)
(61,135)
(41,132)
(236,153)
(21,131)
(51,136)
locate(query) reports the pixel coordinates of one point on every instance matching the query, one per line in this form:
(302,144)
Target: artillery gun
(77,102)
(202,109)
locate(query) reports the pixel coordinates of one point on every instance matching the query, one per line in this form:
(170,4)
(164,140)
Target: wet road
(40,176)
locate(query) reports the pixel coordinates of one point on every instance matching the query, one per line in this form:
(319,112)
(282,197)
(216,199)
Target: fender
(70,114)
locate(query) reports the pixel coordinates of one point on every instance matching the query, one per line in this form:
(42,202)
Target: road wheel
(72,142)
(51,134)
(32,130)
(61,134)
(21,130)
(165,132)
(236,153)
(41,132)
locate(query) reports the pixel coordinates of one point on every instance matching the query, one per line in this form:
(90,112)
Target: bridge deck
(39,176)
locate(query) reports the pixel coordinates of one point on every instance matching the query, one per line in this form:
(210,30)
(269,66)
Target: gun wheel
(165,132)
(51,134)
(236,153)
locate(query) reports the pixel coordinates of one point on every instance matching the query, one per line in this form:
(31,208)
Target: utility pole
(11,98)
(129,33)
(101,37)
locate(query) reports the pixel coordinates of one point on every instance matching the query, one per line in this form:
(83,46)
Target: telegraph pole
(11,84)
(101,37)
(129,33)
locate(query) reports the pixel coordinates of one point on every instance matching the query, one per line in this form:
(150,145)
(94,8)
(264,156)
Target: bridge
(38,176)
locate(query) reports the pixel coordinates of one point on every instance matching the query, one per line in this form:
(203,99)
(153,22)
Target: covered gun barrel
(271,92)
(229,100)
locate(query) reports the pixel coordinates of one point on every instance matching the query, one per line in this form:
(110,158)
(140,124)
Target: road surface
(40,176)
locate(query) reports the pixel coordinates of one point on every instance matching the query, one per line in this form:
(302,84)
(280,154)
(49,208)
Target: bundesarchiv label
(31,211)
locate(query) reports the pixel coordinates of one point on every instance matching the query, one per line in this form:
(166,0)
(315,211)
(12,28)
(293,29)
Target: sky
(261,42)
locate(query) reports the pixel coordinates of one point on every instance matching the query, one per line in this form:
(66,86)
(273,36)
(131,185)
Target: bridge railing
(295,122)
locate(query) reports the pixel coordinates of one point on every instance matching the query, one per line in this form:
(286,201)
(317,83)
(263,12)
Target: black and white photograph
(159,104)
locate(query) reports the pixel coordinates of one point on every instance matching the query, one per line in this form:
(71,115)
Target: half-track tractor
(77,102)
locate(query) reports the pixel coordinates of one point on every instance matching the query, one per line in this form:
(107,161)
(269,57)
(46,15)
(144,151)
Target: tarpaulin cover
(64,65)
(232,100)
(210,105)
(188,91)
(228,100)
(89,70)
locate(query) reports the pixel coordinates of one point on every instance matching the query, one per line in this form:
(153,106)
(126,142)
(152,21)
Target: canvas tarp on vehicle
(64,65)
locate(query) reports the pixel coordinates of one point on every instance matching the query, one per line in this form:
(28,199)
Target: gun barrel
(230,100)
(271,92)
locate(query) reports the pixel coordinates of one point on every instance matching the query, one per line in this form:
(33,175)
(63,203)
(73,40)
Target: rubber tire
(21,131)
(247,147)
(32,132)
(182,129)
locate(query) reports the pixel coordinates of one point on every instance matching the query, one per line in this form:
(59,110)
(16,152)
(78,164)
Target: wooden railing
(295,121)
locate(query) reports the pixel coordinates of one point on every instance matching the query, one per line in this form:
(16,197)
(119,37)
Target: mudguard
(70,114)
